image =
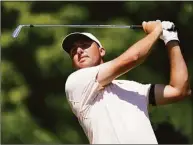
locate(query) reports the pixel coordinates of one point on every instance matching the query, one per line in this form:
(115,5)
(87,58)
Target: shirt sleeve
(141,89)
(148,91)
(81,89)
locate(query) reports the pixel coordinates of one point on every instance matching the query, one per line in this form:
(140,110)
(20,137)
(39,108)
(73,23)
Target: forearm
(139,51)
(131,57)
(178,68)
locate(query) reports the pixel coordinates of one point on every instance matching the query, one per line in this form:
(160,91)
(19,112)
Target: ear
(102,51)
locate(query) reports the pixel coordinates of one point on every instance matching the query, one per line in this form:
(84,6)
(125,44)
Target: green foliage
(34,67)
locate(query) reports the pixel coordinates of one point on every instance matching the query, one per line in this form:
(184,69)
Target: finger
(158,21)
(167,25)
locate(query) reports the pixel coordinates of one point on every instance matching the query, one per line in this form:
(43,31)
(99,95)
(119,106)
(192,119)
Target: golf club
(18,29)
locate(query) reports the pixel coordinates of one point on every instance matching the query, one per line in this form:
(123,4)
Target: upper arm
(113,69)
(165,94)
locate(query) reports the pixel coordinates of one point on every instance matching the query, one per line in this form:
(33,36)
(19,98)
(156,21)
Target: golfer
(113,111)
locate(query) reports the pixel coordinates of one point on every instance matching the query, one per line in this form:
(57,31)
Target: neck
(101,61)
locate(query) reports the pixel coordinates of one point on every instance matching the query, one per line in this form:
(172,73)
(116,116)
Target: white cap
(72,37)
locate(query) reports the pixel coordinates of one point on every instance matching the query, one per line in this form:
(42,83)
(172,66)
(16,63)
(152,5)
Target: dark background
(34,67)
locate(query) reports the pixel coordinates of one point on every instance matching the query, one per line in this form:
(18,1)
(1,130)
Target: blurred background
(34,68)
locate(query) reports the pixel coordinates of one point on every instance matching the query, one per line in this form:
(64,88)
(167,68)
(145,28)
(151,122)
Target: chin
(86,64)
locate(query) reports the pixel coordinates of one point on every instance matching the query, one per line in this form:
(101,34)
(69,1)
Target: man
(115,111)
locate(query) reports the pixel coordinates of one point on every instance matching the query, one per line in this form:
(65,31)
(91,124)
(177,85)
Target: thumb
(144,25)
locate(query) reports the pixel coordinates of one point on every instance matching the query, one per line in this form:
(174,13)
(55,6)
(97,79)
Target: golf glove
(168,34)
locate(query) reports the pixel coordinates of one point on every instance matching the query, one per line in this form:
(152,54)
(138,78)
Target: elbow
(136,59)
(133,58)
(129,61)
(189,92)
(184,89)
(185,92)
(181,95)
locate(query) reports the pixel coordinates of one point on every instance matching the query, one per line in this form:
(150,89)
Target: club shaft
(18,29)
(88,26)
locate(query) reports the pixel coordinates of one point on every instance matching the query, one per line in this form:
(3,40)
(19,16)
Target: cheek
(75,60)
(94,53)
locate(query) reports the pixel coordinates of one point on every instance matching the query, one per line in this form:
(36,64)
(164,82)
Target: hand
(168,35)
(152,26)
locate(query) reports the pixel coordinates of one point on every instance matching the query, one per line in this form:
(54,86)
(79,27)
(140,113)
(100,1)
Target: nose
(80,50)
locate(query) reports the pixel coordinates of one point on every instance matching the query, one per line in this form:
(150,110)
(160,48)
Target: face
(86,53)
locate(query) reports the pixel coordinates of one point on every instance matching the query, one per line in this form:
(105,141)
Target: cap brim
(70,39)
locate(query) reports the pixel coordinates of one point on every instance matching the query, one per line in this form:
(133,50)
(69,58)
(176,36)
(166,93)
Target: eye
(73,52)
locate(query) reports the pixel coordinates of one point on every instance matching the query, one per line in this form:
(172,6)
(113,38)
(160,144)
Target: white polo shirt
(115,114)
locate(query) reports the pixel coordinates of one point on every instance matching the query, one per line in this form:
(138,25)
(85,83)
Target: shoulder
(82,73)
(81,76)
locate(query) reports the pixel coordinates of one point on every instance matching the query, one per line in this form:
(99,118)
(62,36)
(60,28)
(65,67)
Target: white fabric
(116,114)
(89,35)
(168,35)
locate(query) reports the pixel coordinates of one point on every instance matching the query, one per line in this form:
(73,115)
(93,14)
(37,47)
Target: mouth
(83,58)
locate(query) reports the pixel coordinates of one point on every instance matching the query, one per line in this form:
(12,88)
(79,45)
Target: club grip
(173,28)
(136,27)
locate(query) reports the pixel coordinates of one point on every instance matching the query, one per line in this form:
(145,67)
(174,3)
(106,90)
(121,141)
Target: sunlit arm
(178,86)
(128,60)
